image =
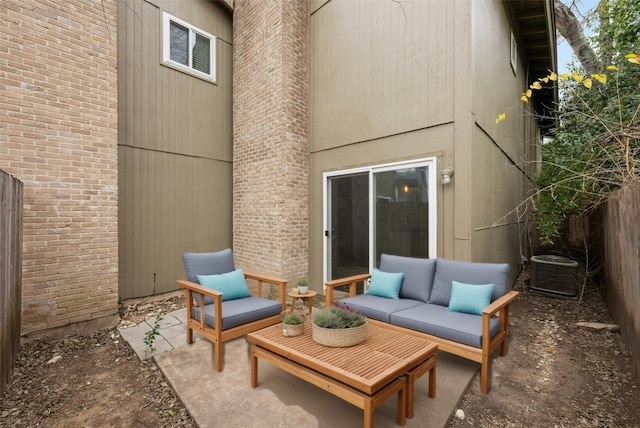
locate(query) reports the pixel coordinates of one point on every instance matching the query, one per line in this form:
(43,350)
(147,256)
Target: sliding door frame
(430,163)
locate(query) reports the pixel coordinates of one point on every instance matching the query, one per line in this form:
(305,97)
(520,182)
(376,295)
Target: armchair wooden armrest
(351,281)
(197,288)
(279,282)
(191,288)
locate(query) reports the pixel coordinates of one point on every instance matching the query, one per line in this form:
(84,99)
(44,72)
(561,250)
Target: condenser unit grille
(555,275)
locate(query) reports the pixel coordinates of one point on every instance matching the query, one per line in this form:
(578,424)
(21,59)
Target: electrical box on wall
(555,276)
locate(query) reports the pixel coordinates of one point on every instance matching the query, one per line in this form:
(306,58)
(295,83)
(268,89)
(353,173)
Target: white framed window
(188,48)
(514,53)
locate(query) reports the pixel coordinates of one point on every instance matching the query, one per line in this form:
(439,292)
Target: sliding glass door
(349,230)
(383,209)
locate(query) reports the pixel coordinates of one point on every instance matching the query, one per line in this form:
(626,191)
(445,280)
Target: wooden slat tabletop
(368,367)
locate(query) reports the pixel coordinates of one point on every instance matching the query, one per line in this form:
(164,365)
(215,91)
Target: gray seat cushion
(207,264)
(418,275)
(239,311)
(377,308)
(438,321)
(468,273)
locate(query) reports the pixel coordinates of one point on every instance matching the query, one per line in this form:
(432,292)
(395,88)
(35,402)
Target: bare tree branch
(570,28)
(604,18)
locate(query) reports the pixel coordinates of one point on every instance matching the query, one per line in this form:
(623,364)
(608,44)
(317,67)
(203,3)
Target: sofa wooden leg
(189,336)
(217,356)
(503,347)
(484,375)
(432,382)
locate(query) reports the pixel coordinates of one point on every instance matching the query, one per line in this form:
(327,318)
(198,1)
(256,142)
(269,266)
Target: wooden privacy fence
(10,273)
(621,249)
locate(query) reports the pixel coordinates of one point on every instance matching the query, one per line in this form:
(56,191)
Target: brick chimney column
(270,137)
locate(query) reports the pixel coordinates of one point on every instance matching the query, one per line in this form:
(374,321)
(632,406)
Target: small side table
(294,294)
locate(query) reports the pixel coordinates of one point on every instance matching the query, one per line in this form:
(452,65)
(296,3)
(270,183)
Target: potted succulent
(293,324)
(338,326)
(303,286)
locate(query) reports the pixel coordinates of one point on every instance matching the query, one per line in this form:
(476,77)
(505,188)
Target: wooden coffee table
(365,375)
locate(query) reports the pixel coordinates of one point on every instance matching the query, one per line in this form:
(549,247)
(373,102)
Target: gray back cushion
(418,275)
(207,264)
(468,273)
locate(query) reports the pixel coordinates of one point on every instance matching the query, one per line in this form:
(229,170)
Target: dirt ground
(556,374)
(97,381)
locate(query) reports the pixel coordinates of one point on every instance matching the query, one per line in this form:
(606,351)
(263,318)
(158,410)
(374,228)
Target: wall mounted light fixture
(445,175)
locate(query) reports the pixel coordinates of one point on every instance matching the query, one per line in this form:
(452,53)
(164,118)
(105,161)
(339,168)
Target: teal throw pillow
(232,284)
(470,298)
(385,284)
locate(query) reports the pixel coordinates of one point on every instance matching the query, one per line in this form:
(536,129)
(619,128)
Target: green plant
(150,336)
(595,149)
(596,146)
(338,316)
(293,318)
(303,283)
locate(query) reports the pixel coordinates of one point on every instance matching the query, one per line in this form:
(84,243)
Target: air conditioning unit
(555,276)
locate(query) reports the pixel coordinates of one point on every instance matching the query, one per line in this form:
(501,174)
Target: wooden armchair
(221,319)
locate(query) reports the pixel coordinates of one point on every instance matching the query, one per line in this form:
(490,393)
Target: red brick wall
(270,119)
(58,134)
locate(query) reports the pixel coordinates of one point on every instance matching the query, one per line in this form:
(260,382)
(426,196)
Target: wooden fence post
(11,190)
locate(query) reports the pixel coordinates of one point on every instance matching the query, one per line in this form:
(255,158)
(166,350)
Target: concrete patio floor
(226,399)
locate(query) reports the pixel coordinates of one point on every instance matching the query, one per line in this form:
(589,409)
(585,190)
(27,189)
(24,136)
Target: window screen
(201,54)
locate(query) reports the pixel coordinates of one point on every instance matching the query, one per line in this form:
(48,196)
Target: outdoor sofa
(462,306)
